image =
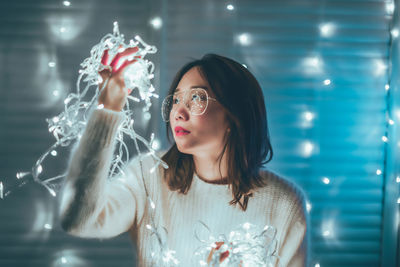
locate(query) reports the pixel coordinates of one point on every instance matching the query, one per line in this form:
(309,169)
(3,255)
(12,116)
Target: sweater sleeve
(92,205)
(295,242)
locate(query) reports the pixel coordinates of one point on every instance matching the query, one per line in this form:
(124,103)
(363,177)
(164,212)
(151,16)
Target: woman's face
(206,131)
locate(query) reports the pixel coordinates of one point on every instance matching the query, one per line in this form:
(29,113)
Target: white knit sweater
(94,206)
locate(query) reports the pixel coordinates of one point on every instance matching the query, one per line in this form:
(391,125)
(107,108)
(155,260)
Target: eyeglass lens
(196,100)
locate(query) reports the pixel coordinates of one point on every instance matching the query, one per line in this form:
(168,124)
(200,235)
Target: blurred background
(329,70)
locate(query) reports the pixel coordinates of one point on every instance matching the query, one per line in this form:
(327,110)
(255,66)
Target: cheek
(214,120)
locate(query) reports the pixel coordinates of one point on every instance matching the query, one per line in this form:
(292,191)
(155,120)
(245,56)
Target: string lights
(69,125)
(247,245)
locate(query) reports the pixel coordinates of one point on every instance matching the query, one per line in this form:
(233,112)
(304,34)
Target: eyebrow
(194,86)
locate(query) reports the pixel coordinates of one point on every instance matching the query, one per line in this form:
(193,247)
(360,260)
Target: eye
(196,97)
(175,100)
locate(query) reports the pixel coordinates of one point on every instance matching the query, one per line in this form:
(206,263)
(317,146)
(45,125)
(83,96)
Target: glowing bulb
(63,260)
(308,206)
(327,29)
(244,39)
(326,180)
(317,265)
(312,61)
(387,87)
(308,148)
(63,29)
(398,179)
(1,190)
(156,23)
(327,82)
(147,116)
(52,64)
(156,144)
(395,33)
(52,192)
(53,153)
(398,200)
(56,93)
(309,116)
(326,233)
(384,139)
(47,226)
(390,7)
(380,67)
(39,169)
(378,172)
(148,226)
(328,228)
(66,3)
(230,7)
(20,175)
(391,122)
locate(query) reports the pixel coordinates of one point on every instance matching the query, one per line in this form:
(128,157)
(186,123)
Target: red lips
(181,131)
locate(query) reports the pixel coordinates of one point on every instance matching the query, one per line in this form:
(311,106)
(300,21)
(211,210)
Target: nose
(181,112)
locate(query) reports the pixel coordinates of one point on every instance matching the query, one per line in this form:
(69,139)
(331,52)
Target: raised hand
(114,93)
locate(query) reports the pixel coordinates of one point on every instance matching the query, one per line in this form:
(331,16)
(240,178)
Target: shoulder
(147,162)
(284,192)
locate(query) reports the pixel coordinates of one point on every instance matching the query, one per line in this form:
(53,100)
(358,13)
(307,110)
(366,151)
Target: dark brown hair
(247,143)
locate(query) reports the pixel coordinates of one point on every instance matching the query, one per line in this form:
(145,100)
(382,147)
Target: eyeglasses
(196,100)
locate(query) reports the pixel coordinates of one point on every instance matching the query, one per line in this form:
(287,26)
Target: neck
(207,168)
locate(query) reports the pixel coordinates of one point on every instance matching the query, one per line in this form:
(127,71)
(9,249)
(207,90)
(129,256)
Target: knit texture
(96,206)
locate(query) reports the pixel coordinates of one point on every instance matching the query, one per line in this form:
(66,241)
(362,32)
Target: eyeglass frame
(196,88)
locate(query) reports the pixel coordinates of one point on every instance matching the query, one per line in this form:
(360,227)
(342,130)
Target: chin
(184,148)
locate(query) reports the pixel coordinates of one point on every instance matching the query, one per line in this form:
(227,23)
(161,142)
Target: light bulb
(230,7)
(327,82)
(326,180)
(327,29)
(156,23)
(395,33)
(244,39)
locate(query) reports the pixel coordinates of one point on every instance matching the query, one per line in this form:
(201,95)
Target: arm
(295,242)
(93,205)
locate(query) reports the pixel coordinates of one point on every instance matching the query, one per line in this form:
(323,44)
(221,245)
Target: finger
(125,53)
(104,74)
(104,58)
(223,256)
(125,64)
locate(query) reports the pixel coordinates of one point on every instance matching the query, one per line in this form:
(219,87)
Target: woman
(215,110)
